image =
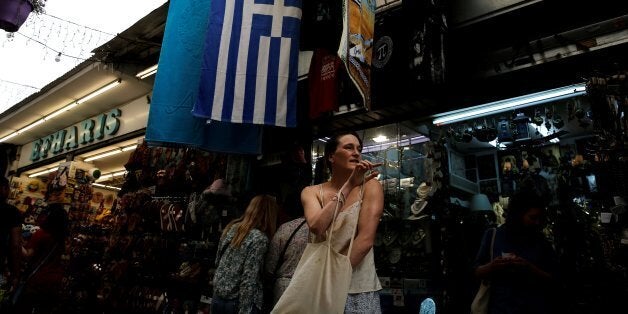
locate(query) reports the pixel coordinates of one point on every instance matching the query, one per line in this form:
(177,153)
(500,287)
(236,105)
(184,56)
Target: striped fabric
(170,122)
(250,66)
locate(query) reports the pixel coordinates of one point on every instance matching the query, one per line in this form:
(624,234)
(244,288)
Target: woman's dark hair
(56,221)
(522,201)
(332,144)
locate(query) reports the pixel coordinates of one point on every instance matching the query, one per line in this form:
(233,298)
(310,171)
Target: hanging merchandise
(408,52)
(521,122)
(169,120)
(504,131)
(323,82)
(13,13)
(356,43)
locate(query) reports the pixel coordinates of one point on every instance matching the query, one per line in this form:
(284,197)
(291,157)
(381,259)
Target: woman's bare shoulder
(309,190)
(373,185)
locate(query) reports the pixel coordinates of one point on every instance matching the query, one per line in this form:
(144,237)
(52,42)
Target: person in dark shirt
(10,236)
(523,271)
(45,270)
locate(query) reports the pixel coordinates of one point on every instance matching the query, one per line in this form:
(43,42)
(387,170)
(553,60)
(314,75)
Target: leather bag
(321,281)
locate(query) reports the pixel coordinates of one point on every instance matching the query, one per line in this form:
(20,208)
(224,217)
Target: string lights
(63,41)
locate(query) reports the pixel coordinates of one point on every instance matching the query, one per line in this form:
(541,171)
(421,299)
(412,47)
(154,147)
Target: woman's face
(347,153)
(533,219)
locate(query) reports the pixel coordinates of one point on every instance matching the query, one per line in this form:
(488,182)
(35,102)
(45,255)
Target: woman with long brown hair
(238,282)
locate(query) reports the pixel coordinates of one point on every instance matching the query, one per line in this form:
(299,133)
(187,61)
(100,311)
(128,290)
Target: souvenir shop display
(572,153)
(149,247)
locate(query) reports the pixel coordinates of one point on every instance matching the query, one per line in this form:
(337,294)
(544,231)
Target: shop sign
(85,133)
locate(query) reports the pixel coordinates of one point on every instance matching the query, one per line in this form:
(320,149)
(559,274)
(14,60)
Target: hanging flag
(356,43)
(175,90)
(250,63)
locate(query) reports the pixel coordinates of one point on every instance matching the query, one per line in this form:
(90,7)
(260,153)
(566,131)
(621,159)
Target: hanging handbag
(480,302)
(321,281)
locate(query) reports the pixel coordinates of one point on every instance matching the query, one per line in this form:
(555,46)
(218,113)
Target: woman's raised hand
(363,172)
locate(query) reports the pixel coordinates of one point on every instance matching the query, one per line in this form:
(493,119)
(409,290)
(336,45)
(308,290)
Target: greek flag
(250,66)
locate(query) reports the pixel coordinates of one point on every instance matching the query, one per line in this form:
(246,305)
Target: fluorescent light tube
(400,143)
(380,139)
(128,148)
(147,72)
(66,108)
(8,137)
(30,126)
(37,174)
(60,111)
(102,155)
(99,91)
(510,104)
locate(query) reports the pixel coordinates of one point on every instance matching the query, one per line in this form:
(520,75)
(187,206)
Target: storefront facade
(428,235)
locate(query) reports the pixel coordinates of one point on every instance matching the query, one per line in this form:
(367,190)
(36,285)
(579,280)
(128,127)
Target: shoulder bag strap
(320,195)
(43,261)
(285,247)
(493,242)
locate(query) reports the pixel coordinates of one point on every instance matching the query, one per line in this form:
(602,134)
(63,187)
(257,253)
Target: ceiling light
(110,176)
(65,108)
(8,137)
(128,148)
(401,143)
(380,139)
(37,174)
(60,111)
(106,186)
(510,104)
(30,126)
(102,155)
(99,91)
(147,72)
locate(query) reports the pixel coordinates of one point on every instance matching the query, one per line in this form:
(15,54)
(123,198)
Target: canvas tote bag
(321,281)
(480,302)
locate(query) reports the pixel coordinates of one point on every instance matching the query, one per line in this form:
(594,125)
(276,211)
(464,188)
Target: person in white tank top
(361,198)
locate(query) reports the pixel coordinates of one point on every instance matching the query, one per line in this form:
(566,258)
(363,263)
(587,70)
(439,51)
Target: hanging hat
(219,187)
(390,236)
(395,255)
(417,207)
(417,236)
(423,190)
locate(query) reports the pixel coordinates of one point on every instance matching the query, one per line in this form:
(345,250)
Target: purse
(480,302)
(321,281)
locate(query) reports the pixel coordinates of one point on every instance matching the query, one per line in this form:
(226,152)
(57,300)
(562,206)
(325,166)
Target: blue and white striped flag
(250,65)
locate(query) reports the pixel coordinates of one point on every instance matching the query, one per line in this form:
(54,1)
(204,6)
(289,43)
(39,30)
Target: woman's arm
(318,218)
(371,212)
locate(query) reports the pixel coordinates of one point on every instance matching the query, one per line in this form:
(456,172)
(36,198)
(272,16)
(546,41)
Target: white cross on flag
(250,63)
